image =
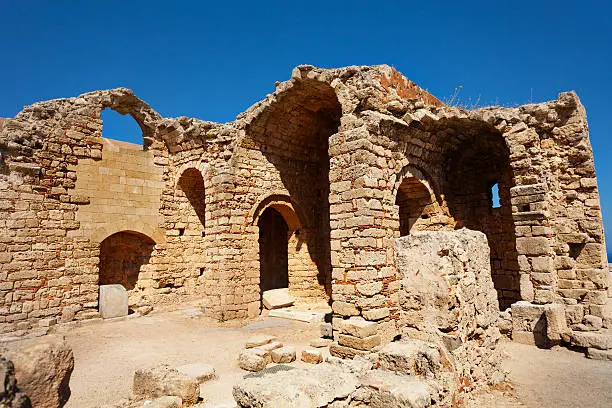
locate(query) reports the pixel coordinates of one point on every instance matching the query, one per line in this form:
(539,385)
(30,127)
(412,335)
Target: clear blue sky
(212,60)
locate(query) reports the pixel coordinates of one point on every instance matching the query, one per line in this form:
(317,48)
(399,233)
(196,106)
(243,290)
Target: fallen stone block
(163,381)
(284,354)
(599,340)
(113,301)
(285,386)
(277,298)
(43,367)
(358,327)
(312,356)
(367,343)
(250,360)
(200,371)
(389,389)
(411,357)
(259,340)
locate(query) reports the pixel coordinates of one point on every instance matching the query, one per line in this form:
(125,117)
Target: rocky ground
(108,353)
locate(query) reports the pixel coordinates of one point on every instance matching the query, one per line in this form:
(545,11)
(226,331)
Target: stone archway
(273,251)
(122,257)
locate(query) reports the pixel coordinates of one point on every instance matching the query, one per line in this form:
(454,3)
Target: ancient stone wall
(351,158)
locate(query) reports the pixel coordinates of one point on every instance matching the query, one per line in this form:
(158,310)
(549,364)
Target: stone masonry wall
(329,150)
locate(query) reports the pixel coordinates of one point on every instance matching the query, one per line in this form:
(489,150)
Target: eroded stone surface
(163,381)
(43,367)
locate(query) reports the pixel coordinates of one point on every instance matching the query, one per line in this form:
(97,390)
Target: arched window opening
(496,203)
(121,128)
(273,250)
(122,257)
(415,206)
(192,206)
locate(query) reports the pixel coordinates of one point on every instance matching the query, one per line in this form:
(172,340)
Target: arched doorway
(273,250)
(122,257)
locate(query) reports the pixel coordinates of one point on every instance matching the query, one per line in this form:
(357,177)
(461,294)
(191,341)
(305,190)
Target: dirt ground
(107,354)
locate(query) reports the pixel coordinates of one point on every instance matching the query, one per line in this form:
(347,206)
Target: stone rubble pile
(410,373)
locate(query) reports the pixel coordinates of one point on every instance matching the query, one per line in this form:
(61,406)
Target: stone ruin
(351,186)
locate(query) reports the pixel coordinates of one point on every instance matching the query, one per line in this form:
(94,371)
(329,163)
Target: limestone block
(523,337)
(599,340)
(320,343)
(202,372)
(596,354)
(556,325)
(345,309)
(283,386)
(259,340)
(411,357)
(284,354)
(367,343)
(358,327)
(344,352)
(113,301)
(163,381)
(376,314)
(390,389)
(249,360)
(326,330)
(43,367)
(532,245)
(312,355)
(277,298)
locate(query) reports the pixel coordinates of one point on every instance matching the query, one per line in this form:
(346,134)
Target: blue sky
(213,60)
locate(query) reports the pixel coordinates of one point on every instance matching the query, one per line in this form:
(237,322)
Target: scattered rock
(312,356)
(284,354)
(42,368)
(163,381)
(250,360)
(200,371)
